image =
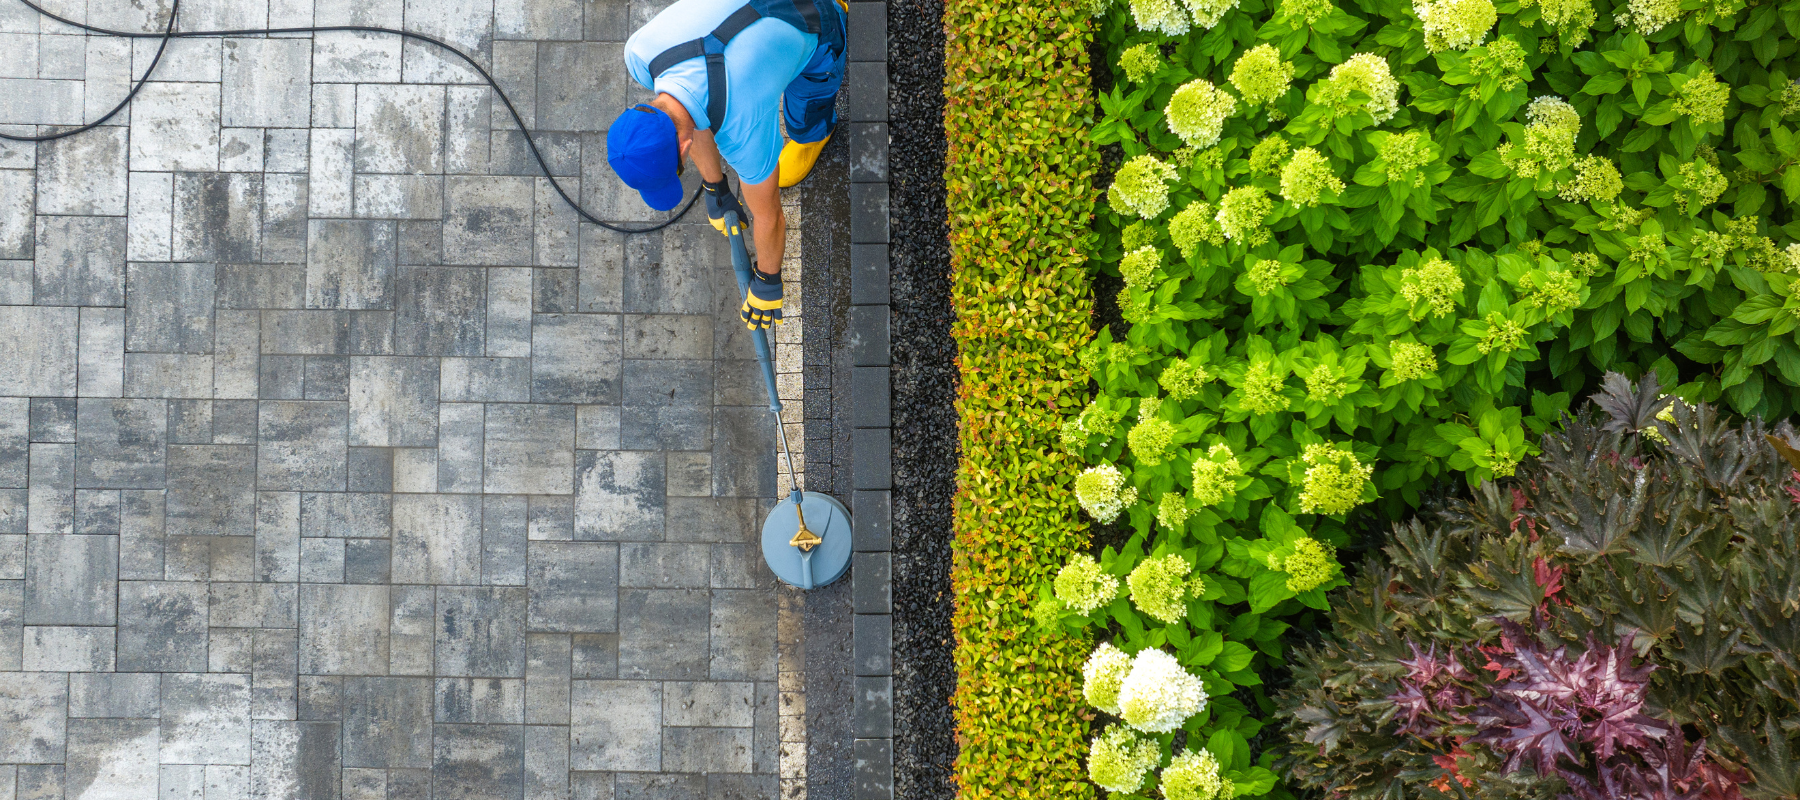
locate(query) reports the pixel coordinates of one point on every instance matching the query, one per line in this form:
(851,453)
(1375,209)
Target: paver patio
(336,459)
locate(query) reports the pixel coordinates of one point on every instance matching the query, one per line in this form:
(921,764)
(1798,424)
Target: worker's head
(644,149)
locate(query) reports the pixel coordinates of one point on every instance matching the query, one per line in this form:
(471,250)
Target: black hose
(170,33)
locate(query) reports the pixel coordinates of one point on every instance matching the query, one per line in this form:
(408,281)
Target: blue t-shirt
(759,64)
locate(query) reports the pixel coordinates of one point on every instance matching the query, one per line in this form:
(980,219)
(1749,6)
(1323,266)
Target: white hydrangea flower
(1455,24)
(1102,676)
(1161,16)
(1197,112)
(1369,73)
(1207,13)
(1158,695)
(1101,492)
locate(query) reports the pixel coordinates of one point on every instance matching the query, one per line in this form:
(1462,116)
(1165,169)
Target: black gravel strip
(924,392)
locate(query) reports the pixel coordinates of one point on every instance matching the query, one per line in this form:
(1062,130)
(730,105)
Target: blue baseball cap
(642,148)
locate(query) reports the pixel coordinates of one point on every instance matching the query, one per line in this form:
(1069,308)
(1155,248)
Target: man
(720,69)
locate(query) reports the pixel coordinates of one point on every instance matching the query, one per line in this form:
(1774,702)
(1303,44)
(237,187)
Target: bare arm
(705,153)
(763,200)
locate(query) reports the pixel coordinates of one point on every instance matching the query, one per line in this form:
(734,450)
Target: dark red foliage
(1582,720)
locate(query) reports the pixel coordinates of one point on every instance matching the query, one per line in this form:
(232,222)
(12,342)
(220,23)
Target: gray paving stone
(325,378)
(503,537)
(706,750)
(350,264)
(330,178)
(529,449)
(80,261)
(464,24)
(485,701)
(485,380)
(266,83)
(594,655)
(190,422)
(68,649)
(182,782)
(52,492)
(640,786)
(548,659)
(217,216)
(555,290)
(509,298)
(478,762)
(253,286)
(327,332)
(12,557)
(414,630)
(619,496)
(175,126)
(294,759)
(578,88)
(347,57)
(237,340)
(393,401)
(550,519)
(302,446)
(675,274)
(241,149)
(168,375)
(617,726)
(343,629)
(212,490)
(664,635)
(546,762)
(40,781)
(141,527)
(602,269)
(150,201)
(709,704)
(83,174)
(481,632)
(228,650)
(110,758)
(12,630)
(557,230)
(664,566)
(367,561)
(97,512)
(402,197)
(322,560)
(742,787)
(284,218)
(17,196)
(399,129)
(162,626)
(672,336)
(576,358)
(488,220)
(743,438)
(126,695)
(205,719)
(33,725)
(71,579)
(439,311)
(43,346)
(596,427)
(15,282)
(274,668)
(743,635)
(15,440)
(715,519)
(437,539)
(537,19)
(346,515)
(371,469)
(285,148)
(573,587)
(415,469)
(252,605)
(690,474)
(387,722)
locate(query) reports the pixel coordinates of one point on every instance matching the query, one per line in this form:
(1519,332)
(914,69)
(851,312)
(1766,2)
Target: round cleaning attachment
(807,544)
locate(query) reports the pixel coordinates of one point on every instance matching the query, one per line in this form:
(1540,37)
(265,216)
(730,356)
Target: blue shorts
(809,105)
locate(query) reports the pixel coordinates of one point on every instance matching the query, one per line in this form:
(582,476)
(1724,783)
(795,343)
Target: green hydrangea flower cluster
(1455,24)
(1790,98)
(1305,12)
(1241,214)
(1549,142)
(1183,379)
(1261,76)
(1405,153)
(1437,282)
(1704,185)
(1306,176)
(1790,258)
(1265,276)
(1194,225)
(1585,265)
(1312,564)
(1571,18)
(1648,16)
(1501,462)
(1138,266)
(1326,384)
(1207,13)
(1141,187)
(1172,511)
(1140,62)
(1138,234)
(1214,476)
(1102,676)
(1502,334)
(1102,493)
(1262,389)
(1557,292)
(1160,587)
(1163,16)
(1703,98)
(1119,759)
(1197,112)
(1194,775)
(1365,72)
(1504,59)
(1149,440)
(1158,695)
(1334,479)
(1083,586)
(1412,361)
(1596,180)
(1267,156)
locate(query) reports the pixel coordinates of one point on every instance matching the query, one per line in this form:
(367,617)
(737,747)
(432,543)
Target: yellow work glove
(719,200)
(762,303)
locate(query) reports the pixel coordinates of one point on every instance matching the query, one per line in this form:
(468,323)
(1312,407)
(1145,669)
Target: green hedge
(1019,177)
(1364,255)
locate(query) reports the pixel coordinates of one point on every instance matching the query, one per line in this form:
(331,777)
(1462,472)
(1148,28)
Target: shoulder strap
(802,14)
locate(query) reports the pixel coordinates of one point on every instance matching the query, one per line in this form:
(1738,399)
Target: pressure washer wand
(740,263)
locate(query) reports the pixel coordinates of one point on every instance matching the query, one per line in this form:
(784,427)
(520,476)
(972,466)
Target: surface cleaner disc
(827,519)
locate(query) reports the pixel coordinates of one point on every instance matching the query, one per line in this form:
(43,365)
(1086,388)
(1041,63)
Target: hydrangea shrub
(1370,247)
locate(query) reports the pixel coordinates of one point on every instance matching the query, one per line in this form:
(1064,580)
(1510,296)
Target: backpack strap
(802,14)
